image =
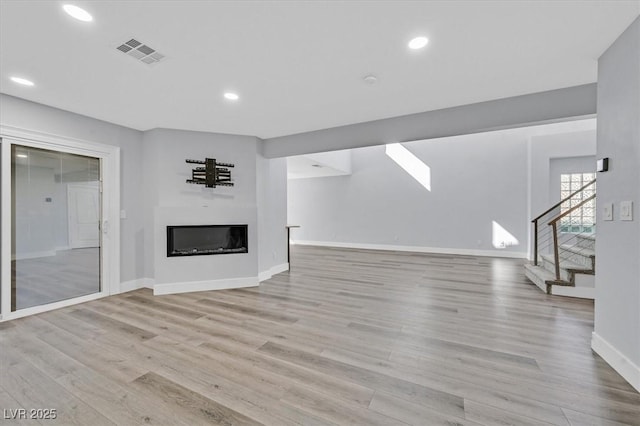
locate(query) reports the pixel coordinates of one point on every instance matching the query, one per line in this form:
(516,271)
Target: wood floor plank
(111,324)
(202,409)
(86,352)
(577,418)
(443,401)
(488,415)
(463,384)
(33,389)
(120,405)
(345,337)
(11,413)
(295,374)
(414,414)
(337,411)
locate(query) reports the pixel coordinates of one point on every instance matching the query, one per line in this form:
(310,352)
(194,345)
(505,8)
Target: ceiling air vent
(140,51)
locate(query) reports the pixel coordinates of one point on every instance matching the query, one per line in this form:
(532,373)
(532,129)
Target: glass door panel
(56,205)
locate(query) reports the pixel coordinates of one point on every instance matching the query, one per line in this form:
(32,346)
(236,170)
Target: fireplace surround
(202,240)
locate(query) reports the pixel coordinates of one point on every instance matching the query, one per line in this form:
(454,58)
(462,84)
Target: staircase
(564,247)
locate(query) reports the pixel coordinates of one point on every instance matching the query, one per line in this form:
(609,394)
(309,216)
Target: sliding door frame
(109,157)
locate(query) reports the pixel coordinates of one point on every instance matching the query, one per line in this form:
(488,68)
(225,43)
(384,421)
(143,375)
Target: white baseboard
(191,286)
(33,255)
(418,249)
(263,276)
(63,248)
(579,292)
(623,365)
(126,286)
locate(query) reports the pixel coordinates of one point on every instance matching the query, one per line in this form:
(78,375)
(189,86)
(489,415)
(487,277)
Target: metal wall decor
(212,174)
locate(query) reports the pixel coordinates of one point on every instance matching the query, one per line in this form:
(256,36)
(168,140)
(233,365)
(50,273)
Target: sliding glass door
(60,244)
(56,218)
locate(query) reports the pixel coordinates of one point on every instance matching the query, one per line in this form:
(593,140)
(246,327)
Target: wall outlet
(626,210)
(607,211)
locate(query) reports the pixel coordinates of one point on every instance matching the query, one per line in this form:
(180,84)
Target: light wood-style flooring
(346,337)
(70,273)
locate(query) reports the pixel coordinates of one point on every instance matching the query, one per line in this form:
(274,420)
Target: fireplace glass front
(200,240)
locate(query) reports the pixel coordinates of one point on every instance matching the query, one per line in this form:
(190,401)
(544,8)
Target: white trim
(579,292)
(55,142)
(62,248)
(191,286)
(51,306)
(263,276)
(417,249)
(33,255)
(623,365)
(529,195)
(109,156)
(5,219)
(131,285)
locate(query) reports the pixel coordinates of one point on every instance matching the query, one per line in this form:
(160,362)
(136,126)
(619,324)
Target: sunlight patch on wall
(501,237)
(410,163)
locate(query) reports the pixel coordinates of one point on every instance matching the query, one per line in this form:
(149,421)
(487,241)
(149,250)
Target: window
(582,219)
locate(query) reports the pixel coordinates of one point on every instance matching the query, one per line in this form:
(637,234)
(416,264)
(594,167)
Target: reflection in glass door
(56,212)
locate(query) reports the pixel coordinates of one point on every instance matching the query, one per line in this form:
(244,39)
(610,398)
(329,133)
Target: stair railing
(550,238)
(554,225)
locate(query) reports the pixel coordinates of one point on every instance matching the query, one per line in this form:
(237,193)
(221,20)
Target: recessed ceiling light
(78,13)
(370,79)
(22,155)
(231,96)
(22,81)
(418,43)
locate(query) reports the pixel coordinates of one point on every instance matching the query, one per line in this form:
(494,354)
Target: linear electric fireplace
(200,240)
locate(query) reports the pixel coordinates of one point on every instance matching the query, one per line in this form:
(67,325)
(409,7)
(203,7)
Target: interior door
(84,215)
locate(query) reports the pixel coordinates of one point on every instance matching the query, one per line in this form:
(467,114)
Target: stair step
(583,256)
(538,275)
(566,264)
(586,240)
(582,251)
(542,277)
(591,237)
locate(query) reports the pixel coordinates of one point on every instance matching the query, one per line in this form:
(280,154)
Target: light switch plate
(626,210)
(607,211)
(123,214)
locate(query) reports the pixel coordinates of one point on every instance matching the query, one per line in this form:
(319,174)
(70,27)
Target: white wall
(475,180)
(617,311)
(171,201)
(153,174)
(272,215)
(543,150)
(32,116)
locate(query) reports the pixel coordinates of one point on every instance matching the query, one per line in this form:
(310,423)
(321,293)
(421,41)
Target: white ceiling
(302,167)
(298,66)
